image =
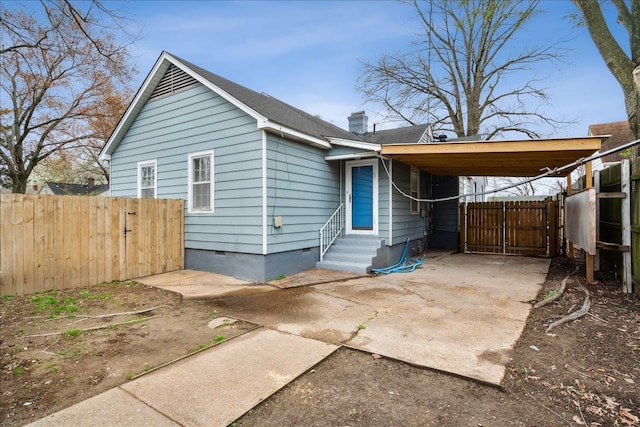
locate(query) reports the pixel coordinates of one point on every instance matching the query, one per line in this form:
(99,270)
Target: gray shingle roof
(403,135)
(65,189)
(274,109)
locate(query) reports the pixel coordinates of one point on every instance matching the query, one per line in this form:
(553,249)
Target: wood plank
(40,235)
(93,240)
(118,239)
(144,241)
(100,241)
(79,241)
(29,250)
(164,237)
(131,214)
(49,242)
(18,244)
(612,195)
(110,247)
(58,255)
(154,206)
(613,246)
(6,245)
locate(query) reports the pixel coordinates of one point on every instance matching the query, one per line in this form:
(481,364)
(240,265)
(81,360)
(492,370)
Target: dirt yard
(94,339)
(586,372)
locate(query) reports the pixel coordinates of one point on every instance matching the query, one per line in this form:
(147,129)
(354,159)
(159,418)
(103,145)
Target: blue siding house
(261,178)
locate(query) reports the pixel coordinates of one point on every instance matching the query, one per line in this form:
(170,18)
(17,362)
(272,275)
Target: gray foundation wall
(251,267)
(390,255)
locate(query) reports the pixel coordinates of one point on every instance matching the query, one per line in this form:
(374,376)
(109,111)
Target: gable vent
(174,80)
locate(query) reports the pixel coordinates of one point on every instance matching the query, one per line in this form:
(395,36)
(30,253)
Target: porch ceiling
(523,158)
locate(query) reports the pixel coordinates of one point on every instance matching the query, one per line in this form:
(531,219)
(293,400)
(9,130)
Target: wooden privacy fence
(618,227)
(519,228)
(59,242)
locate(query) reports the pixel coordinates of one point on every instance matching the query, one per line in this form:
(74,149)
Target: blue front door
(362,193)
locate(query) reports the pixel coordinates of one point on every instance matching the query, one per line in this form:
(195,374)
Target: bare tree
(454,76)
(621,64)
(53,76)
(520,187)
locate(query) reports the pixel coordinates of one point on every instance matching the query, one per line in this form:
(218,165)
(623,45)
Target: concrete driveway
(459,313)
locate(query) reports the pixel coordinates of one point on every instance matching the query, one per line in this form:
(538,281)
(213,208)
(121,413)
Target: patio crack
(412,292)
(339,297)
(361,326)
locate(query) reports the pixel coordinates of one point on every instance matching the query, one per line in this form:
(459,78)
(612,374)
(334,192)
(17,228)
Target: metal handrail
(331,230)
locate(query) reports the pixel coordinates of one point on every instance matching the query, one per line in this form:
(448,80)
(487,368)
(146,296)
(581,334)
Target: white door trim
(348,194)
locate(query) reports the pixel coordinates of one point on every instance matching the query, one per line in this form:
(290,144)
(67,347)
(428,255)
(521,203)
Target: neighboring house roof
(403,135)
(272,114)
(619,132)
(65,189)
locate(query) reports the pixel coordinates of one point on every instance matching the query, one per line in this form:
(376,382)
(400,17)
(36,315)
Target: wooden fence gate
(59,242)
(518,228)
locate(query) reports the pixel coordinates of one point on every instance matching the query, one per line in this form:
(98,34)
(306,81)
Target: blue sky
(308,53)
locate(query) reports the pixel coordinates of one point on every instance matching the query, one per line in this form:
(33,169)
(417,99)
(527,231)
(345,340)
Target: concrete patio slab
(217,386)
(458,313)
(198,284)
(111,408)
(212,388)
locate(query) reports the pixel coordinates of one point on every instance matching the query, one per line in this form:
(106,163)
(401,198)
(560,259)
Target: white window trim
(417,172)
(154,163)
(190,185)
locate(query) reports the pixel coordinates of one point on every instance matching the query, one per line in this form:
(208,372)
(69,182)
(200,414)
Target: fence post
(625,187)
(596,259)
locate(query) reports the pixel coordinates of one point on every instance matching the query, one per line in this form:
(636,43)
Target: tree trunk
(619,63)
(19,186)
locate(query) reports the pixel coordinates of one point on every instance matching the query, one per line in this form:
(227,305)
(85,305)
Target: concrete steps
(354,253)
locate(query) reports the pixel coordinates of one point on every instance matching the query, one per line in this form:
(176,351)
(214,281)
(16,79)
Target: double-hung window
(415,190)
(201,182)
(147,183)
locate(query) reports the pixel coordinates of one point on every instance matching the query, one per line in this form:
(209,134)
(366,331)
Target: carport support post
(589,257)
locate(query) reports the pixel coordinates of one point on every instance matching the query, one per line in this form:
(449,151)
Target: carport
(555,157)
(517,158)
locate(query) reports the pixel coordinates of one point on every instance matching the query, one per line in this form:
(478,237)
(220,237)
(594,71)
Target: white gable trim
(355,144)
(351,156)
(132,110)
(151,82)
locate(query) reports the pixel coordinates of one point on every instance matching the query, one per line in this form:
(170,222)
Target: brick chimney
(358,123)
(91,182)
